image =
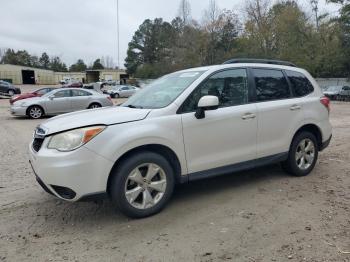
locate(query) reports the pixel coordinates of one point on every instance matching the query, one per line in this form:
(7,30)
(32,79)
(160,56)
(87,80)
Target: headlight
(73,139)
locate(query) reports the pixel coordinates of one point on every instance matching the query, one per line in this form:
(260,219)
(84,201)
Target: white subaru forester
(188,125)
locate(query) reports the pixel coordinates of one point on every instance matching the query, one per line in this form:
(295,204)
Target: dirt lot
(259,215)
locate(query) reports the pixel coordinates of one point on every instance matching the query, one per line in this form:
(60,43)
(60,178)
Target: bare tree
(2,53)
(184,11)
(212,13)
(107,62)
(259,23)
(314,5)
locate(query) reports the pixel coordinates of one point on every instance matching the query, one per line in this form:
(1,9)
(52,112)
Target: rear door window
(270,85)
(63,93)
(81,93)
(301,86)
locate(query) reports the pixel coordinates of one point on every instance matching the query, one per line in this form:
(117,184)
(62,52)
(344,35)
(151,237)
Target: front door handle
(248,116)
(295,107)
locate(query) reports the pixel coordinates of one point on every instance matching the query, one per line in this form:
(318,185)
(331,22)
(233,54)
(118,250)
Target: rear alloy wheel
(11,93)
(94,105)
(303,155)
(142,185)
(35,112)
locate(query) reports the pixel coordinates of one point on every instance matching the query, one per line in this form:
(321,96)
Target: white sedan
(122,91)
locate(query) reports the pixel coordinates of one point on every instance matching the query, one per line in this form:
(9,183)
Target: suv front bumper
(71,176)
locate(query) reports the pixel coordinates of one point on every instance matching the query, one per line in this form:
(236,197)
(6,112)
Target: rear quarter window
(270,85)
(301,86)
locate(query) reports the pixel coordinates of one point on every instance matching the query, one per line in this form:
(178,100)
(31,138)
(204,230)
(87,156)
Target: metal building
(26,75)
(19,75)
(106,74)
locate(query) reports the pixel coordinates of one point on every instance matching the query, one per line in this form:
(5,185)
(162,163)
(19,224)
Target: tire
(11,92)
(296,156)
(116,95)
(94,105)
(35,112)
(138,204)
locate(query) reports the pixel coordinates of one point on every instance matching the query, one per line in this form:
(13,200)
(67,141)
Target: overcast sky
(87,29)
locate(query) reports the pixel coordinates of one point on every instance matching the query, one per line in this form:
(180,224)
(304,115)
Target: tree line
(24,58)
(317,42)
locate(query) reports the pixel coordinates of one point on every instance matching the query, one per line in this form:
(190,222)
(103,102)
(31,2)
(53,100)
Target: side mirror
(51,97)
(206,103)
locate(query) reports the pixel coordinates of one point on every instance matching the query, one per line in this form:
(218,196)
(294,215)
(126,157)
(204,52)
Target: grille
(37,143)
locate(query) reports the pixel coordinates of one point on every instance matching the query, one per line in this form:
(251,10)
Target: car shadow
(201,194)
(22,118)
(226,182)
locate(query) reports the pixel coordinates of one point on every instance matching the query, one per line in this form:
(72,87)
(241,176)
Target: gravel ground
(258,215)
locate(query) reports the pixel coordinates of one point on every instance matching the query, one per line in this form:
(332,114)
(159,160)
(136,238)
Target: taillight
(110,99)
(326,102)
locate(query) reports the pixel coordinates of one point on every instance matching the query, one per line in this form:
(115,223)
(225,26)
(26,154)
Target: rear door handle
(248,116)
(295,107)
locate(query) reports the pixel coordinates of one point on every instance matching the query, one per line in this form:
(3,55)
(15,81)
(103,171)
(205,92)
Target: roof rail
(258,61)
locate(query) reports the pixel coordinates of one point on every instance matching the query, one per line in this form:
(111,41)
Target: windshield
(334,88)
(116,87)
(49,93)
(163,91)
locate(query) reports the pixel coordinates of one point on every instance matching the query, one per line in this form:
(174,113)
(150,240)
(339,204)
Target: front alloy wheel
(142,184)
(35,112)
(145,186)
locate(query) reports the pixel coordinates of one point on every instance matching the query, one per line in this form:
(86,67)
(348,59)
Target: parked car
(110,82)
(344,94)
(62,100)
(188,125)
(65,81)
(74,84)
(36,93)
(89,86)
(333,92)
(122,91)
(8,89)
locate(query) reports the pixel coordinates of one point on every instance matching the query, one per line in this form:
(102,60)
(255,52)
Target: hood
(20,97)
(25,95)
(89,117)
(28,100)
(331,92)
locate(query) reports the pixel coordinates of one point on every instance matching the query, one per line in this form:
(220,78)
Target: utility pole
(118,53)
(314,4)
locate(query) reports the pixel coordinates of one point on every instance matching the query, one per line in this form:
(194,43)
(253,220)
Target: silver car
(333,92)
(122,91)
(60,101)
(344,94)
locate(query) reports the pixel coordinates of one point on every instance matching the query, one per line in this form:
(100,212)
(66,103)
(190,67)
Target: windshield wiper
(132,106)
